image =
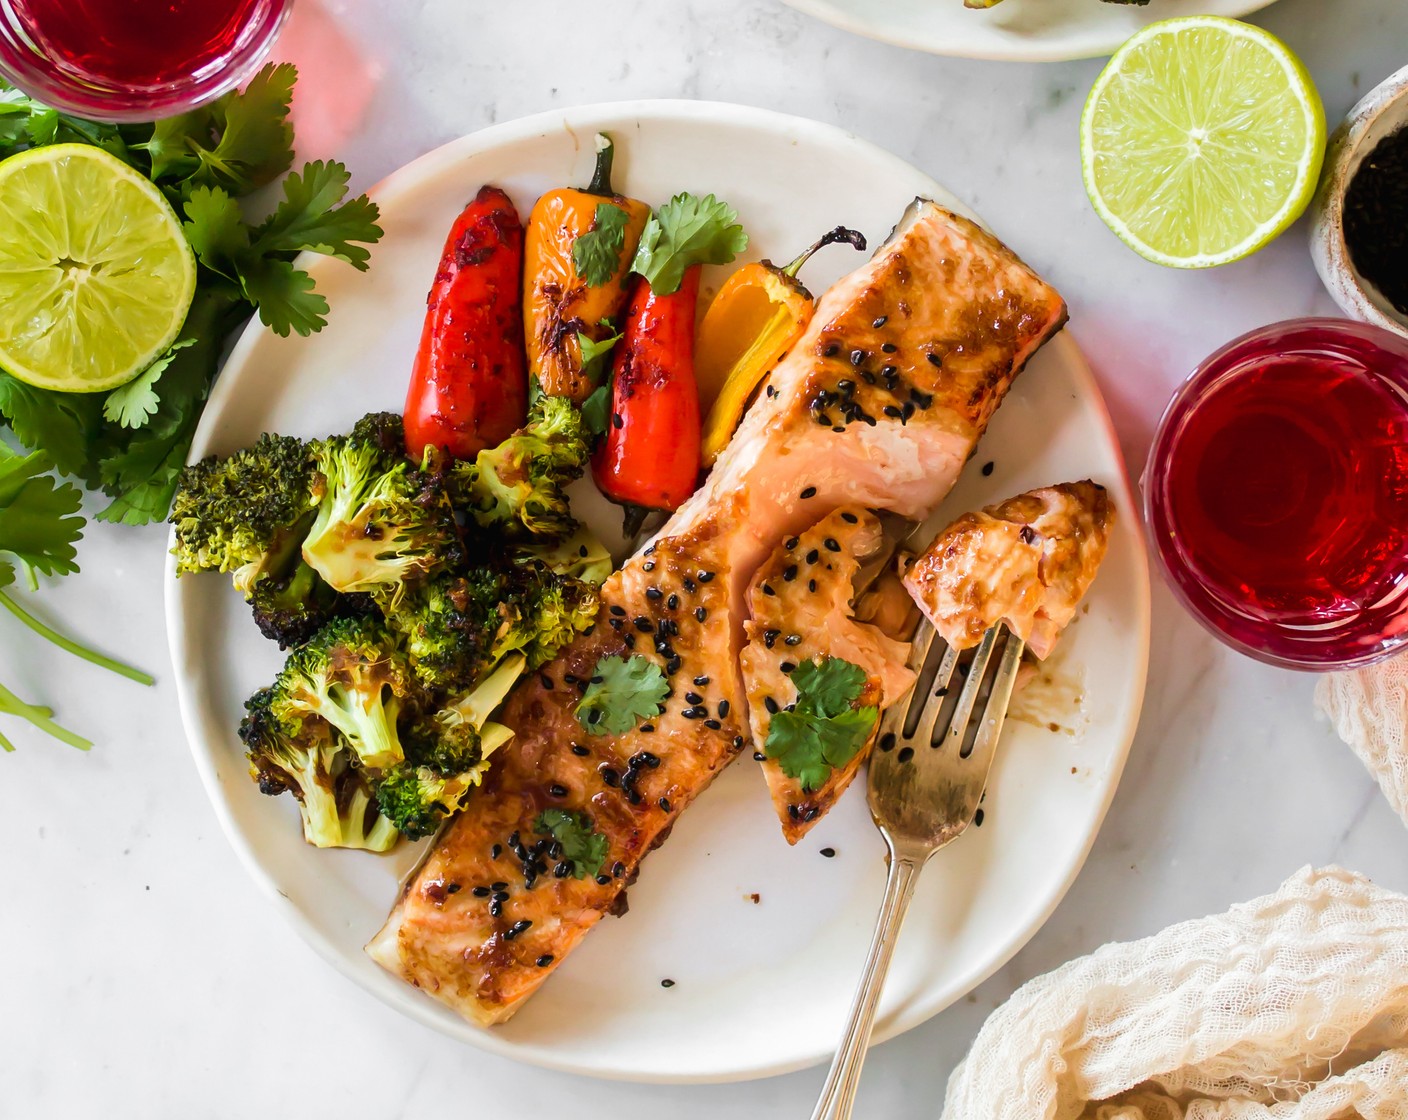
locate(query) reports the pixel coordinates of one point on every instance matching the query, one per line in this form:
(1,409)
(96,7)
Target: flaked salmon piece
(1027,562)
(801,604)
(878,405)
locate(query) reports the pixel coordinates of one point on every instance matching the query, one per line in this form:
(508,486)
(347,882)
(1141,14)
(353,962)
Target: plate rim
(1043,50)
(406,179)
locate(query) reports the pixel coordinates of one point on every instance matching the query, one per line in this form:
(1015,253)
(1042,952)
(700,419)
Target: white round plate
(1015,30)
(764,942)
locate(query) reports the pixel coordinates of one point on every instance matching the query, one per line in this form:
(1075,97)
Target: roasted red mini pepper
(649,458)
(469,386)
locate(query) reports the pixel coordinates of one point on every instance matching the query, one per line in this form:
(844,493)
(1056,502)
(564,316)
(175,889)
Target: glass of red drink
(1276,493)
(133,60)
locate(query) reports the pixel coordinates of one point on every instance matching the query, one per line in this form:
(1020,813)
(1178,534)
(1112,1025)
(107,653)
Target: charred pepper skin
(469,385)
(649,458)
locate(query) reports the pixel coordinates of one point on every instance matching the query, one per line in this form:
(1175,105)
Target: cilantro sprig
(825,729)
(133,444)
(596,368)
(686,231)
(582,846)
(622,692)
(39,527)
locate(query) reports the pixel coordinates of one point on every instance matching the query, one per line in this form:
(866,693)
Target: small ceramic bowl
(1382,112)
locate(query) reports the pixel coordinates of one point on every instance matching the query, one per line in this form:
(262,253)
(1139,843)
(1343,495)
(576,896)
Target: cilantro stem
(74,648)
(10,704)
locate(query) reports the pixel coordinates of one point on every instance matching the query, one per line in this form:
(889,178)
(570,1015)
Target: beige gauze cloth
(1369,708)
(1290,1007)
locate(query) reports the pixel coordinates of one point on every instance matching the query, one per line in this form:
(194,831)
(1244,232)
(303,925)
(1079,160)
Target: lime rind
(1202,141)
(96,275)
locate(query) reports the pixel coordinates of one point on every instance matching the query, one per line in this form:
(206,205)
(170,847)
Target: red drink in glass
(133,59)
(1277,493)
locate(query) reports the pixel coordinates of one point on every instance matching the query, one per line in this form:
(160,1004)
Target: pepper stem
(633,521)
(601,177)
(852,237)
(73,647)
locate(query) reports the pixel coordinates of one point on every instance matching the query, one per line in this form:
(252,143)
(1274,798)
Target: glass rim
(24,66)
(1194,594)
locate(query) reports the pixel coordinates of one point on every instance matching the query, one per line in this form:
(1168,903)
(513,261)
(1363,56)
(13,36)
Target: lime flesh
(1202,141)
(96,276)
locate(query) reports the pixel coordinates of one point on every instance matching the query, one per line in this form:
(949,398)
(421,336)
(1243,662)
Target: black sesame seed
(849,518)
(647,728)
(791,543)
(908,410)
(495,909)
(545,960)
(689,585)
(664,804)
(792,640)
(618,869)
(615,624)
(654,593)
(723,708)
(808,492)
(690,713)
(823,419)
(867,377)
(557,790)
(700,614)
(644,625)
(838,428)
(789,573)
(1028,535)
(545,681)
(811,585)
(480,892)
(673,602)
(758,756)
(701,681)
(713,725)
(768,589)
(829,853)
(652,761)
(880,322)
(978,818)
(501,896)
(846,385)
(813,556)
(987,468)
(562,870)
(832,545)
(667,983)
(579,750)
(889,347)
(787,667)
(890,372)
(794,812)
(616,421)
(609,776)
(858,357)
(935,360)
(771,705)
(770,637)
(672,666)
(706,577)
(892,412)
(496,851)
(648,566)
(500,885)
(811,812)
(738,742)
(693,698)
(831,350)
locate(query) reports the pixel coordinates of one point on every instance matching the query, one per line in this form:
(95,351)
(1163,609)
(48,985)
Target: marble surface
(141,975)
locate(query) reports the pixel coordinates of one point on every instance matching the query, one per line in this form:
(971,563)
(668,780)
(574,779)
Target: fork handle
(839,1093)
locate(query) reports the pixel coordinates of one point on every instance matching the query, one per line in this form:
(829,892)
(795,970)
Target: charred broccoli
(292,609)
(545,612)
(248,513)
(519,487)
(381,524)
(306,758)
(352,674)
(446,756)
(580,556)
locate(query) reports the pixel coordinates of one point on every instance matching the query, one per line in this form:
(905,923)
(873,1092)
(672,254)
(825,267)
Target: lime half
(96,276)
(1202,141)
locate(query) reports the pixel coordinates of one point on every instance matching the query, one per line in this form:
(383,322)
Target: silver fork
(927,776)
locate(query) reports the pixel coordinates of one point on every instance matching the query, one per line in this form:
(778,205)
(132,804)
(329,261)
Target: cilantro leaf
(596,409)
(63,424)
(284,295)
(215,228)
(686,231)
(582,846)
(596,255)
(39,521)
(593,351)
(623,691)
(239,143)
(133,404)
(823,730)
(310,217)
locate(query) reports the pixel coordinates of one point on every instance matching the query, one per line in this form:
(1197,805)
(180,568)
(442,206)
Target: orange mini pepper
(559,303)
(755,318)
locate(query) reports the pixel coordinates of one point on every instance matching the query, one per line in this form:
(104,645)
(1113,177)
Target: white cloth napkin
(1369,708)
(1290,1007)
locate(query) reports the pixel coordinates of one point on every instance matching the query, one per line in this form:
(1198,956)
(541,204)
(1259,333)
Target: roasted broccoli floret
(353,674)
(306,758)
(446,756)
(248,513)
(545,612)
(448,625)
(580,556)
(381,524)
(520,486)
(292,609)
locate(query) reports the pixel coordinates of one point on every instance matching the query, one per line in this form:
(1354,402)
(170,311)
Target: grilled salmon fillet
(1027,562)
(878,405)
(801,605)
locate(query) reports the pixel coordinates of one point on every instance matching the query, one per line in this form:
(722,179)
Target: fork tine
(994,713)
(968,699)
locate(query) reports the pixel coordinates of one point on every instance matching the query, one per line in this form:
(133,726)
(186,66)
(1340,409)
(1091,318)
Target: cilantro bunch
(825,728)
(132,443)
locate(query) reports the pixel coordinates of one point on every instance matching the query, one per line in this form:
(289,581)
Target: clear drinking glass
(133,60)
(1276,494)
